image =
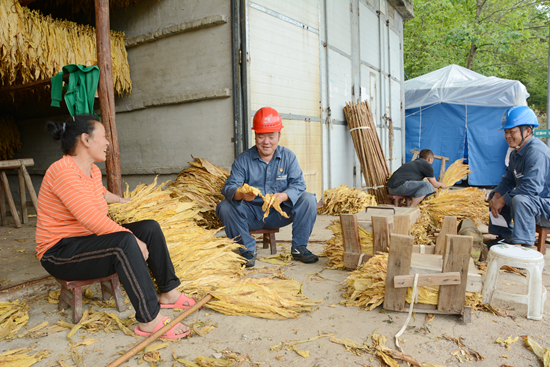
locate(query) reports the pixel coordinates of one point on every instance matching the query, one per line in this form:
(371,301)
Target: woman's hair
(69,132)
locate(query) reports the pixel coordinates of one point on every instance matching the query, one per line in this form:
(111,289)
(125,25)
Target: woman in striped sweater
(76,240)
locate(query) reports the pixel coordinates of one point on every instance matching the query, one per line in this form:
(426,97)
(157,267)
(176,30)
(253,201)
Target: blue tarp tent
(456,113)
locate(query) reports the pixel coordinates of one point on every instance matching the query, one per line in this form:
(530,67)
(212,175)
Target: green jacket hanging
(80,90)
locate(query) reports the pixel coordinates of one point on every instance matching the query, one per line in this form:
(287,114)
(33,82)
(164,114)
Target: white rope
(360,259)
(413,300)
(373,188)
(360,127)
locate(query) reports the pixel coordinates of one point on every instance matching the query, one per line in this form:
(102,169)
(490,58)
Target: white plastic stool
(518,257)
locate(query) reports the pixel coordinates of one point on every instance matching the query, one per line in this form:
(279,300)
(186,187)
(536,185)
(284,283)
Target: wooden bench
(541,241)
(268,238)
(71,294)
(24,180)
(394,199)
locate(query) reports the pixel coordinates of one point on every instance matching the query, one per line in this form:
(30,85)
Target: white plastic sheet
(458,85)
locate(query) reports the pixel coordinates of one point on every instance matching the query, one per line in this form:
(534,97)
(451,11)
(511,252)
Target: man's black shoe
(304,255)
(250,256)
(497,241)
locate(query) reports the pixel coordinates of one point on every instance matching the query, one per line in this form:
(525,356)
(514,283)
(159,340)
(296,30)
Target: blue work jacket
(528,172)
(281,174)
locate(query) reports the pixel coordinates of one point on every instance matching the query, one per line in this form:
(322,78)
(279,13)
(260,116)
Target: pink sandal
(180,303)
(170,334)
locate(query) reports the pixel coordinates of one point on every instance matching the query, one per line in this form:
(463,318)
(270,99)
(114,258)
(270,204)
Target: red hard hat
(267,120)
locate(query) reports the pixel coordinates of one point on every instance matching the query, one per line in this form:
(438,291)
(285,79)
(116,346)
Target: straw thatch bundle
(464,203)
(208,264)
(455,172)
(201,184)
(345,200)
(35,47)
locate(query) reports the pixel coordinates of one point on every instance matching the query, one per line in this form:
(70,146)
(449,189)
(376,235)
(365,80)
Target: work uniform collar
(526,147)
(277,154)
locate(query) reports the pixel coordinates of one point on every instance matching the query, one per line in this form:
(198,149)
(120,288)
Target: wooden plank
(11,203)
(401,224)
(401,281)
(31,85)
(107,95)
(399,263)
(30,187)
(448,227)
(16,163)
(3,211)
(350,236)
(23,197)
(380,234)
(452,297)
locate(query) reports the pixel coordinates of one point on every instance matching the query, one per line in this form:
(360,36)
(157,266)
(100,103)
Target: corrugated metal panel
(368,25)
(339,79)
(304,139)
(339,27)
(284,66)
(304,11)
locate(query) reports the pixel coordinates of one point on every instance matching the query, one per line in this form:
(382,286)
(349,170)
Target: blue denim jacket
(281,174)
(528,172)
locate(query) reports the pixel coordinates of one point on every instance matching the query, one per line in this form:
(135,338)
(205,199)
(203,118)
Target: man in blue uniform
(523,194)
(274,170)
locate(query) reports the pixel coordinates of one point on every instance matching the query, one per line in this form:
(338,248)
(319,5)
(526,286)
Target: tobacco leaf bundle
(22,357)
(13,316)
(270,200)
(208,264)
(10,139)
(35,47)
(464,203)
(455,172)
(201,184)
(334,248)
(345,200)
(366,287)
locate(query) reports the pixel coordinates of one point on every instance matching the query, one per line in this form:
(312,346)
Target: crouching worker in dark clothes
(76,240)
(274,170)
(522,197)
(408,180)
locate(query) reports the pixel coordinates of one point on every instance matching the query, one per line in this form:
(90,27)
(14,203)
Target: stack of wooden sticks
(368,148)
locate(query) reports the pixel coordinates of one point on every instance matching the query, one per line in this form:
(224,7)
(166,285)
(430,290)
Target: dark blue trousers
(239,217)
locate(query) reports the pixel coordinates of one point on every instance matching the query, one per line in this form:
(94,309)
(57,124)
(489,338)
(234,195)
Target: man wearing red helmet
(274,170)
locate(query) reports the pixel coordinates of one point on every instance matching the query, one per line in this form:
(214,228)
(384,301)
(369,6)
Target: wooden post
(402,224)
(107,95)
(452,297)
(11,203)
(352,244)
(22,197)
(380,234)
(448,227)
(399,263)
(3,210)
(30,187)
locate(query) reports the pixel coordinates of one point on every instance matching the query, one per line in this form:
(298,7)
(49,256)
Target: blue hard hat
(517,116)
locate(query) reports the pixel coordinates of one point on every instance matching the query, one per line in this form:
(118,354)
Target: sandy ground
(254,338)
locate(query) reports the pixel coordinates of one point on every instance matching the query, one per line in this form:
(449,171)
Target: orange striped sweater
(71,204)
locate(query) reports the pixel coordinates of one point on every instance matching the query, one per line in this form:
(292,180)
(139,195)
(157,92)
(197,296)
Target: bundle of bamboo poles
(368,148)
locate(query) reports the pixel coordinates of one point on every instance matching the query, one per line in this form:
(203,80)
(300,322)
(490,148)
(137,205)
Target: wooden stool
(394,199)
(541,241)
(24,179)
(268,239)
(71,294)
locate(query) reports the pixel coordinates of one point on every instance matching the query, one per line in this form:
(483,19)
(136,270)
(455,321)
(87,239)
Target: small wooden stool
(268,239)
(71,294)
(541,241)
(394,199)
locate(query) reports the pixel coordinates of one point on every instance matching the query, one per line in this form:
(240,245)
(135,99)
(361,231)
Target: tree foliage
(503,38)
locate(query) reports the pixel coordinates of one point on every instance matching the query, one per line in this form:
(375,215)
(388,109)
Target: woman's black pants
(92,257)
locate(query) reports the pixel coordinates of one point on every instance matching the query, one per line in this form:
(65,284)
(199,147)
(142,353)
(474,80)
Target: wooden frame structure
(24,180)
(105,91)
